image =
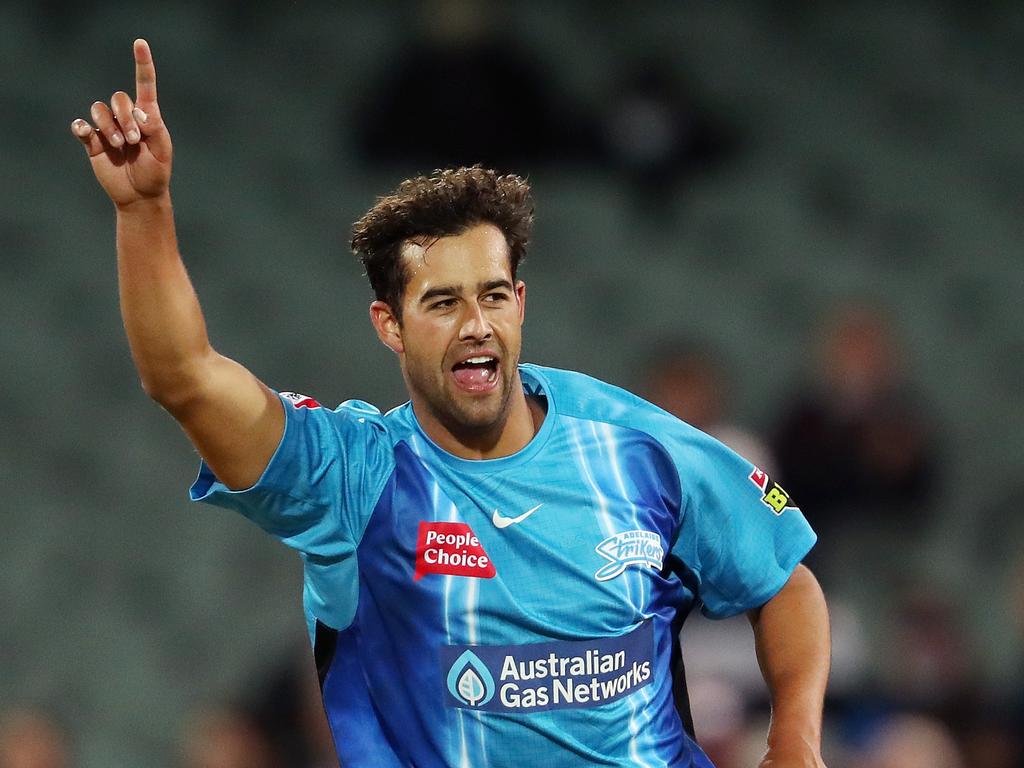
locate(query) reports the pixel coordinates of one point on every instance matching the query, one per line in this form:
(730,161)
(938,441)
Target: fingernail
(139,115)
(132,136)
(117,139)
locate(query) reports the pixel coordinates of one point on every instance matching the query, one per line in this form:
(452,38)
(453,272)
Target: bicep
(233,419)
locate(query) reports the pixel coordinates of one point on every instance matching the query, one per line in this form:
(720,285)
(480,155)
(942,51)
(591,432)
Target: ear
(387,326)
(521,299)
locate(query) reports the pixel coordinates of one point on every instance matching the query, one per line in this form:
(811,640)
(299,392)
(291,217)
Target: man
(496,572)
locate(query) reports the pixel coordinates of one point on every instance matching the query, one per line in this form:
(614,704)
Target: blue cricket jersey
(522,610)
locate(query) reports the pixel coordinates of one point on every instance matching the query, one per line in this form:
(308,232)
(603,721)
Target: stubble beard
(463,415)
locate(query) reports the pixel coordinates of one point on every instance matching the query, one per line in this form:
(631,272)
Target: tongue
(472,376)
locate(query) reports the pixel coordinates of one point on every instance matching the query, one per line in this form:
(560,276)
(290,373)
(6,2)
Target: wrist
(145,206)
(794,732)
(795,746)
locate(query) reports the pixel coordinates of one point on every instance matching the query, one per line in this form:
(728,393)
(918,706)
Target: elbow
(156,390)
(176,383)
(171,397)
(173,391)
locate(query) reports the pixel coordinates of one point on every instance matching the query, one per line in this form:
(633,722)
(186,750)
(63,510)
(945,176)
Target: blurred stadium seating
(881,158)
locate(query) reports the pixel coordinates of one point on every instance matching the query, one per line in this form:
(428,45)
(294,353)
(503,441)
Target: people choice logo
(629,548)
(451,549)
(469,680)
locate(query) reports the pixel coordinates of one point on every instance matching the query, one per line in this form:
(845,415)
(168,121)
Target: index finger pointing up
(145,73)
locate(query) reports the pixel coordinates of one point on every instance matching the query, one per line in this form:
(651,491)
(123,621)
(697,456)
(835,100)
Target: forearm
(161,313)
(791,634)
(229,415)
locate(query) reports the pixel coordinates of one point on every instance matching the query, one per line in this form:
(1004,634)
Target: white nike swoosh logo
(500,521)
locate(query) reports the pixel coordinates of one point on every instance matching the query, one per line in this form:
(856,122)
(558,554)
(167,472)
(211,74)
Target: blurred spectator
(857,442)
(30,739)
(226,738)
(463,93)
(719,719)
(657,129)
(991,741)
(290,707)
(688,380)
(930,664)
(911,741)
(1015,705)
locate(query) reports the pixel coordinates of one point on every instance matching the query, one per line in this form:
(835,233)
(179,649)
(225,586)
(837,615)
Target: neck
(522,421)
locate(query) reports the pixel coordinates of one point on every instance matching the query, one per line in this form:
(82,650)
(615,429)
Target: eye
(443,304)
(496,297)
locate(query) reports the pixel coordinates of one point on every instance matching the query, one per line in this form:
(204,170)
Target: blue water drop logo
(470,681)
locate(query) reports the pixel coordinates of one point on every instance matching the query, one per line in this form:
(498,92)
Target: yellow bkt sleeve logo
(775,497)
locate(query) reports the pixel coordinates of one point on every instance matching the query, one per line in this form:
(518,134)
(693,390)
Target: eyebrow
(455,290)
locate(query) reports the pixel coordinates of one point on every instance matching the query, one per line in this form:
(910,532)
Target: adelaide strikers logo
(628,548)
(469,680)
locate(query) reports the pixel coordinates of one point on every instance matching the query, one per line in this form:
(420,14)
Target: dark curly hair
(448,202)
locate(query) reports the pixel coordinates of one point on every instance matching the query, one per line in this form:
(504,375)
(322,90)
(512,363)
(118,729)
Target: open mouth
(476,374)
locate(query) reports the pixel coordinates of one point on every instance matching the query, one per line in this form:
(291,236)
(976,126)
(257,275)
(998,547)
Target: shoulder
(578,396)
(350,420)
(356,409)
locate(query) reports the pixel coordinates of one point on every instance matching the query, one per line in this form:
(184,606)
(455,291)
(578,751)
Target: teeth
(478,360)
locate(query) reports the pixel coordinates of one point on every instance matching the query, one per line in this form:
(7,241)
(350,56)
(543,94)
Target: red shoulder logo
(300,401)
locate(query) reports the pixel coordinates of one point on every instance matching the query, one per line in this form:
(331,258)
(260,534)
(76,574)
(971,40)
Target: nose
(475,326)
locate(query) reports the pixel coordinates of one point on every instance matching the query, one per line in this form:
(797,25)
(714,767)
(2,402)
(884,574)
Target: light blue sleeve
(321,483)
(739,532)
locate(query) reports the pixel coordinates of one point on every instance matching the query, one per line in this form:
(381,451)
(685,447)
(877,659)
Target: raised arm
(234,421)
(791,633)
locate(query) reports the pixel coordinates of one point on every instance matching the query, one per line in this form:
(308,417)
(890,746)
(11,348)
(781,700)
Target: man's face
(460,335)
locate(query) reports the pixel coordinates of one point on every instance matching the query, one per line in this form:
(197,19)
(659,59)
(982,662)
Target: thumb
(152,127)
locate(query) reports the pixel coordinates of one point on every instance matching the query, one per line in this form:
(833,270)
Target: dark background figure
(858,442)
(689,379)
(659,129)
(461,92)
(289,707)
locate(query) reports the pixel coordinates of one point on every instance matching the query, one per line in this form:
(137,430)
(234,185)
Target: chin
(477,415)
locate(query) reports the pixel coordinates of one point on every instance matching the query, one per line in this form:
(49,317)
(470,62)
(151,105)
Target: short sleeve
(320,485)
(739,531)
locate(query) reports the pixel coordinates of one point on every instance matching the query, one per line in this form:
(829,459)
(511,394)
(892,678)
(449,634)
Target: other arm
(234,421)
(791,634)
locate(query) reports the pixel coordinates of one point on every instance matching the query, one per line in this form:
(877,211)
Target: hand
(128,144)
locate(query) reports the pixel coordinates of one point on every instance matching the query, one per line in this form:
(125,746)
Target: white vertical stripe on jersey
(449,585)
(604,519)
(637,574)
(464,761)
(472,601)
(609,528)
